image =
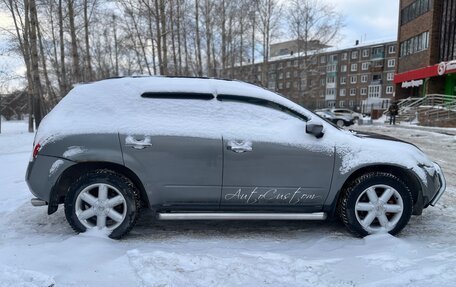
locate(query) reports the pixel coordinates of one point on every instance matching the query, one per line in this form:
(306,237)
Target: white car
(347,112)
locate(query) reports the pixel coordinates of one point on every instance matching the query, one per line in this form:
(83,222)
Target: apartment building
(427,41)
(359,77)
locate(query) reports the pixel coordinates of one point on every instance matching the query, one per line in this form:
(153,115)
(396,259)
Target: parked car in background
(347,112)
(339,120)
(207,149)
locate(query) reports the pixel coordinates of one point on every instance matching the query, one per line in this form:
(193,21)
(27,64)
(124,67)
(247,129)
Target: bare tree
(314,24)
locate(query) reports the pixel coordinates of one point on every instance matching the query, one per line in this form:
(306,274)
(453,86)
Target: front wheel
(102,199)
(376,202)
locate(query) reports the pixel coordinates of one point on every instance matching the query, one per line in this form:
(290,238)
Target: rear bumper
(441,184)
(42,174)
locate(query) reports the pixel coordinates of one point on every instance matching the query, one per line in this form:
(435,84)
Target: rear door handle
(238,146)
(138,143)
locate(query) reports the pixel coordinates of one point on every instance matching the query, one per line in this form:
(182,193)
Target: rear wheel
(340,123)
(102,199)
(376,202)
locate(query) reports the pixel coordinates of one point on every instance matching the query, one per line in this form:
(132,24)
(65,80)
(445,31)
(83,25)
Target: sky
(365,20)
(368,20)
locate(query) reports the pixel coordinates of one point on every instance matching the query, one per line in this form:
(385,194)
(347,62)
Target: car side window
(263,103)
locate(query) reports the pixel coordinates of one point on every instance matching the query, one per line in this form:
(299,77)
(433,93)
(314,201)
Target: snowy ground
(41,250)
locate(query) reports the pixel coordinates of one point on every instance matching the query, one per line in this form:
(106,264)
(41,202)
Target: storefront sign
(412,84)
(444,67)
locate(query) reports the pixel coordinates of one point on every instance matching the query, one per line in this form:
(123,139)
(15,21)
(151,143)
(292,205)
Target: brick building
(427,48)
(359,77)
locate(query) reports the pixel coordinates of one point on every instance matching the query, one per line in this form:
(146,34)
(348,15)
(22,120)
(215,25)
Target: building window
(365,53)
(390,76)
(353,92)
(344,56)
(365,66)
(415,44)
(343,68)
(295,85)
(288,75)
(342,92)
(414,10)
(354,55)
(333,58)
(330,91)
(351,103)
(363,91)
(330,80)
(322,82)
(280,86)
(392,49)
(343,80)
(280,76)
(354,67)
(389,90)
(377,78)
(353,79)
(331,68)
(289,64)
(375,91)
(295,74)
(341,104)
(322,59)
(287,85)
(447,41)
(391,63)
(364,78)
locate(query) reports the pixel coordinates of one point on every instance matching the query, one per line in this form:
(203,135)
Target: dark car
(339,120)
(217,149)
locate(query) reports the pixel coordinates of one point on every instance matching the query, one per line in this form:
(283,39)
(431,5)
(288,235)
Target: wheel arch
(72,173)
(403,173)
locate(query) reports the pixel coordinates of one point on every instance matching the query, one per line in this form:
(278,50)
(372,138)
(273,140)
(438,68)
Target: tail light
(36,149)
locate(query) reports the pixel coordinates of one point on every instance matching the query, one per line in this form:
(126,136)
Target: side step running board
(242,216)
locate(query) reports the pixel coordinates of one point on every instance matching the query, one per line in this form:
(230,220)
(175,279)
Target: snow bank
(10,276)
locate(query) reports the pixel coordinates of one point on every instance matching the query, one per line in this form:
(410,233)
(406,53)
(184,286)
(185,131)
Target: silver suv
(200,149)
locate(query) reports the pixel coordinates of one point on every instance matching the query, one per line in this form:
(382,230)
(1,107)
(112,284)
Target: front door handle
(138,143)
(239,146)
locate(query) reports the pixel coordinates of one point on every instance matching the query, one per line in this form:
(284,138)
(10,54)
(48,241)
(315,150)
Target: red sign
(423,73)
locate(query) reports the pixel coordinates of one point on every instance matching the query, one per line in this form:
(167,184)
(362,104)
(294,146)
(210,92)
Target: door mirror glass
(315,129)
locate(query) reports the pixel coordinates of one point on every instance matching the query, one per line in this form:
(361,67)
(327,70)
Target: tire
(340,123)
(363,215)
(103,199)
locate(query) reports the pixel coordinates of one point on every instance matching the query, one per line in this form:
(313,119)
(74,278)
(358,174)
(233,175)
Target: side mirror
(315,129)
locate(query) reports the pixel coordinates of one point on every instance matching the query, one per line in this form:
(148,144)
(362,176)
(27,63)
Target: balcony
(378,56)
(330,97)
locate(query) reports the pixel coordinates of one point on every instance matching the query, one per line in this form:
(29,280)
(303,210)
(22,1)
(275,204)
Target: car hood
(381,137)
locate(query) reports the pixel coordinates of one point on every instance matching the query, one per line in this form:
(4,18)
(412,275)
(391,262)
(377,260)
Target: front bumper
(442,185)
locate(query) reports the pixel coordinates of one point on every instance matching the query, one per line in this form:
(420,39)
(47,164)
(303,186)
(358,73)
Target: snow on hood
(358,151)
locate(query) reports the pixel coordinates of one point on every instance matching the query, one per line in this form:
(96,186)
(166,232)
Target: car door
(177,171)
(269,159)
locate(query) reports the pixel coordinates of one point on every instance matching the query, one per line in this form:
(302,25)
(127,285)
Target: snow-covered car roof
(117,105)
